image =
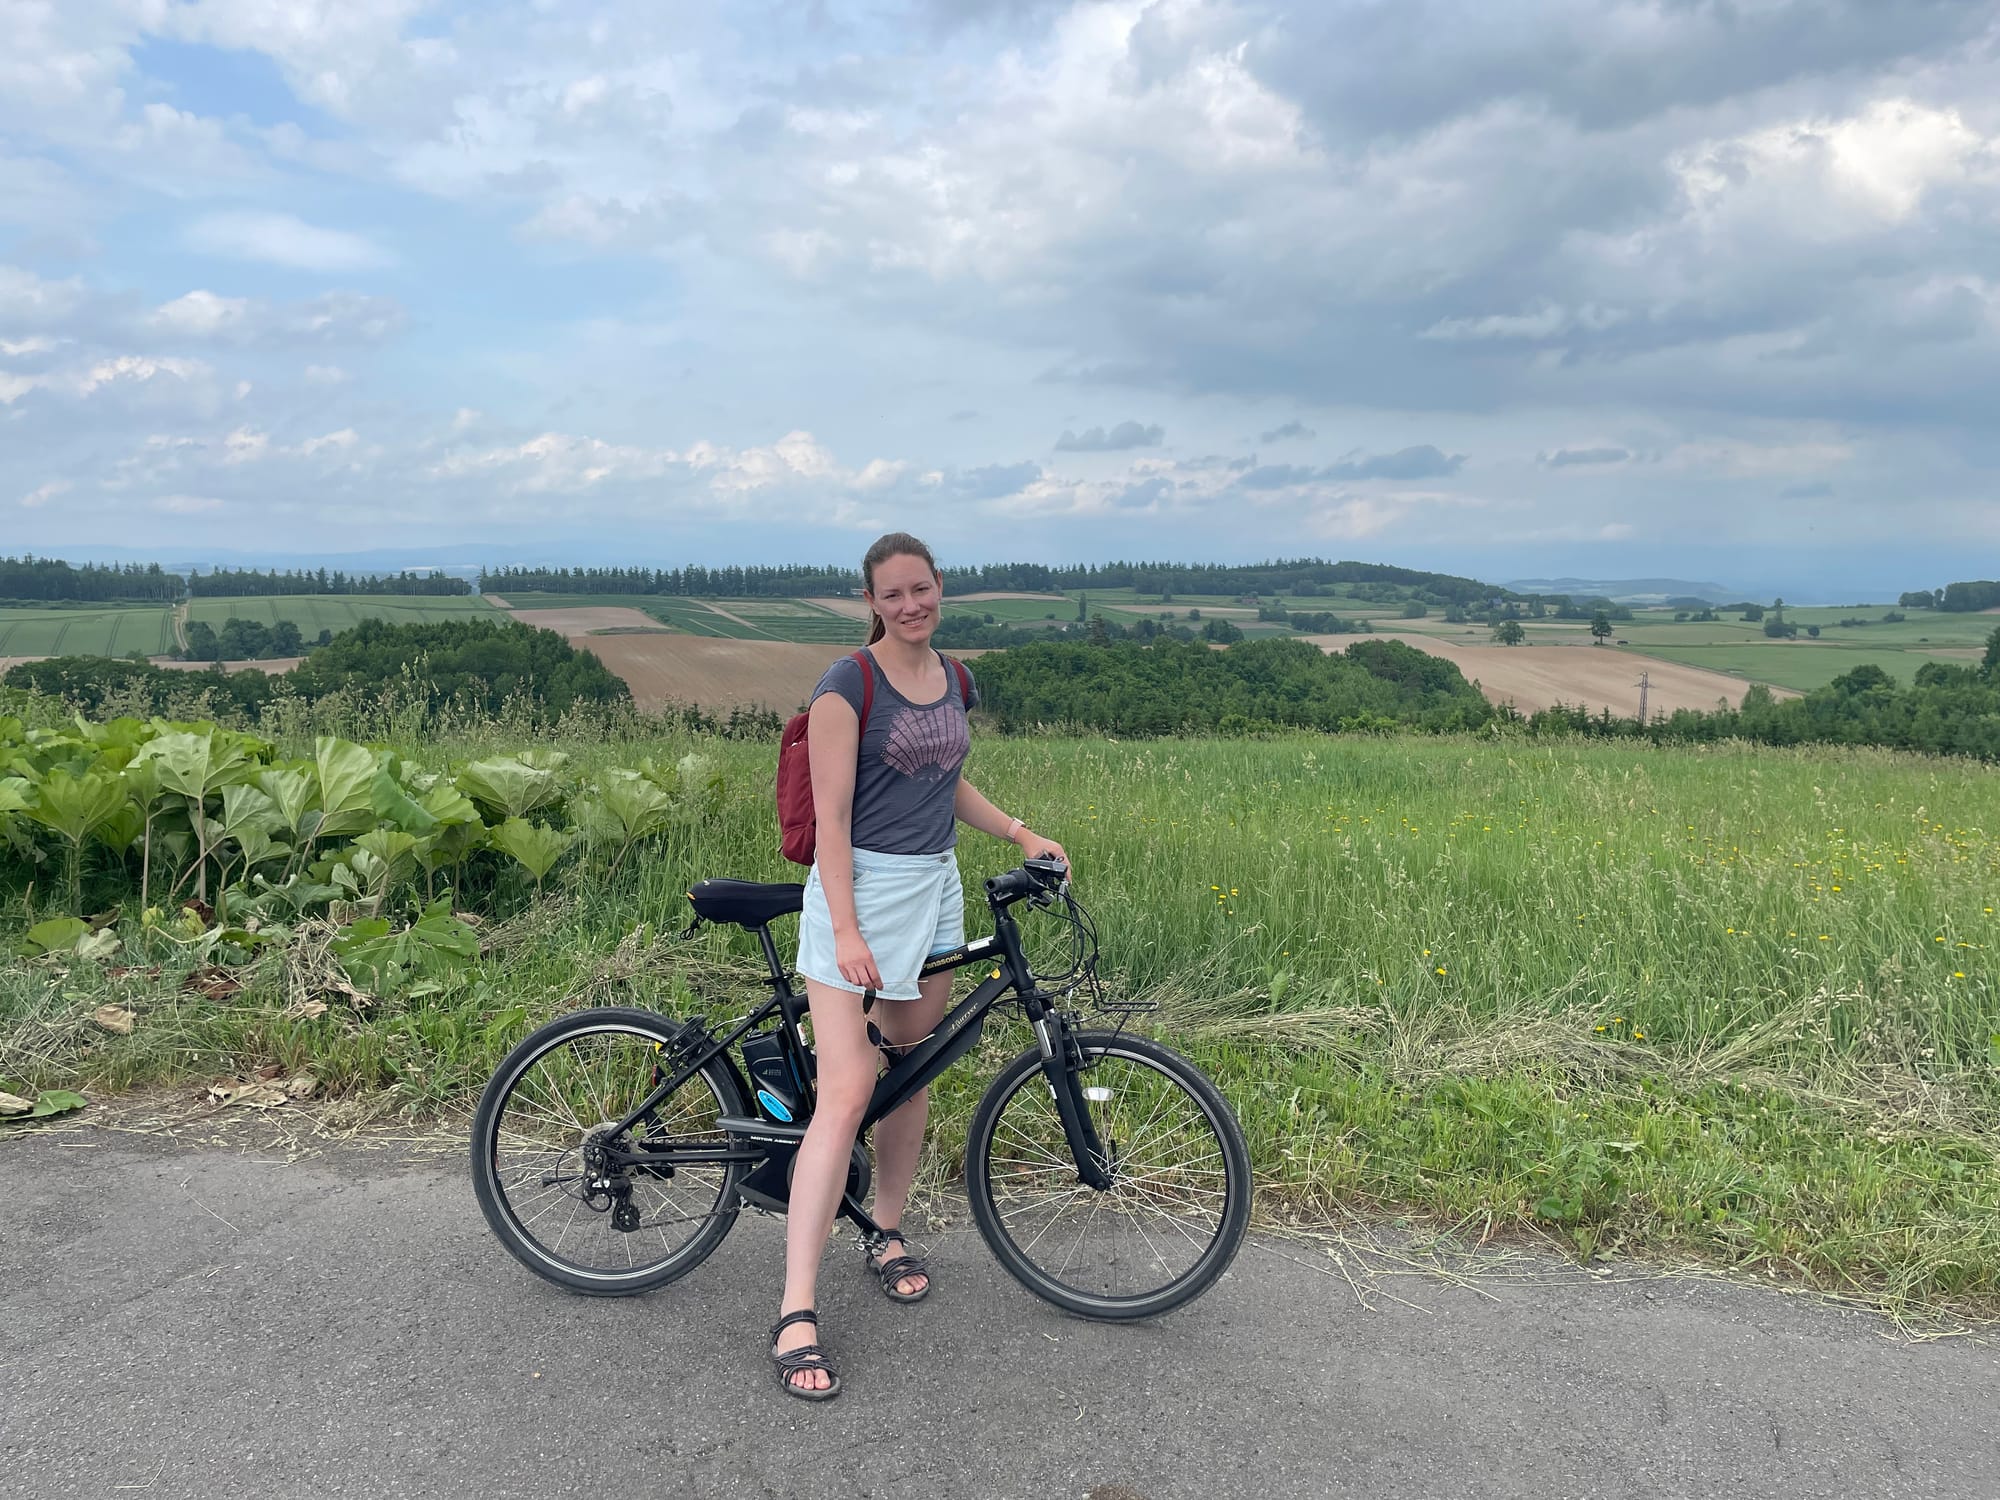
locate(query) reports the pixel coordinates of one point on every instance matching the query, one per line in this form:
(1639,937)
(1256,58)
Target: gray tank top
(906,781)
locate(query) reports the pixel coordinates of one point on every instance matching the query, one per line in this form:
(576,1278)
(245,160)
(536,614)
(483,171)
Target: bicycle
(614,1147)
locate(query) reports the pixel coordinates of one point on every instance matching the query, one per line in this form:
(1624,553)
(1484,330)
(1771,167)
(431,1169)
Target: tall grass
(1729,1002)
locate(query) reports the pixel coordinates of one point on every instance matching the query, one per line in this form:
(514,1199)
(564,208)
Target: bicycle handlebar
(1034,877)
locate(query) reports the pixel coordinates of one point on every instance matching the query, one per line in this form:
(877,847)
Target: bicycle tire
(1017,1131)
(562,1133)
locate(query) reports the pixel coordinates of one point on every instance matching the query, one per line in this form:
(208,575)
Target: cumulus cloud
(1424,461)
(282,240)
(1566,458)
(1286,431)
(1111,440)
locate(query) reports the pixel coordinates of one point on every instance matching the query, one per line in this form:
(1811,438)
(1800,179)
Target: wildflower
(1440,971)
(1958,974)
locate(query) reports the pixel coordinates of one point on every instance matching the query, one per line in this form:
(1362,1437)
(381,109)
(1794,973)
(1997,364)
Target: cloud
(1421,462)
(1099,440)
(42,496)
(279,239)
(1564,458)
(1286,431)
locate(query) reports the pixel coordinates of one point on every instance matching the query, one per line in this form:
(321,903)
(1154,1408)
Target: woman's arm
(975,811)
(833,745)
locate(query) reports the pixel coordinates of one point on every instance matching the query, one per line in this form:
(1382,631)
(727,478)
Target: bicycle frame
(956,1034)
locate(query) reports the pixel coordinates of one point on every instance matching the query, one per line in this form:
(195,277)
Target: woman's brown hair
(895,544)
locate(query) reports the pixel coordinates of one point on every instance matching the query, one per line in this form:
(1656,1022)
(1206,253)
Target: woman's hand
(856,963)
(1034,846)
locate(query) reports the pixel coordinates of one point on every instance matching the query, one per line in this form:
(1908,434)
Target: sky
(1557,287)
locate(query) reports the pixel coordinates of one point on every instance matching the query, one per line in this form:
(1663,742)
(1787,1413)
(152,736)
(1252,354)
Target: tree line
(1303,578)
(239,583)
(1968,597)
(50,580)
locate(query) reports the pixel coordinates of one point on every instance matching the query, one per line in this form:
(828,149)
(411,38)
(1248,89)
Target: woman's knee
(842,1107)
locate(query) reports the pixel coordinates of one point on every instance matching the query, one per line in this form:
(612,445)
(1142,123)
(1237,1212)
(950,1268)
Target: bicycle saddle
(748,903)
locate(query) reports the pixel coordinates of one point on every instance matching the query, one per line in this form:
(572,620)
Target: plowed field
(1534,677)
(717,674)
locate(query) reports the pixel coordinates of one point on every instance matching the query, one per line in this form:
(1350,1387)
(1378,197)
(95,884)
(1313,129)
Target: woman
(883,895)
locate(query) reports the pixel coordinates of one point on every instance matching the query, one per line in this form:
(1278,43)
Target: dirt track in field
(715,673)
(575,622)
(1536,677)
(854,609)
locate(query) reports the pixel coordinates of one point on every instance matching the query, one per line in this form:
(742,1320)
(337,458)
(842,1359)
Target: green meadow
(107,630)
(313,613)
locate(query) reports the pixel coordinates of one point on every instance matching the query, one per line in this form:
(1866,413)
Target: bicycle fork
(1062,1066)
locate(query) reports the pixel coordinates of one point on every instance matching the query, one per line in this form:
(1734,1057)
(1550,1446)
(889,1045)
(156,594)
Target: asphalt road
(211,1323)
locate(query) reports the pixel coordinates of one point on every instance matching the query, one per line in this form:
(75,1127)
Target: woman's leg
(847,1067)
(899,1138)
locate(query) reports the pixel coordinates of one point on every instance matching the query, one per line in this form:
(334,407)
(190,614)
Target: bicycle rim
(557,1102)
(1173,1215)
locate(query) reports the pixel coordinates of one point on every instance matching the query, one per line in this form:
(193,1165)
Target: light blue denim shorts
(910,906)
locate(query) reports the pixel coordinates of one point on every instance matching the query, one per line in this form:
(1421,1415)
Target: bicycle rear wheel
(555,1098)
(1179,1201)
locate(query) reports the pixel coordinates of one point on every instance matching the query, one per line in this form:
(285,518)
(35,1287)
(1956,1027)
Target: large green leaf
(57,935)
(394,805)
(346,787)
(14,793)
(291,790)
(642,808)
(384,961)
(196,764)
(509,785)
(77,806)
(536,847)
(47,1102)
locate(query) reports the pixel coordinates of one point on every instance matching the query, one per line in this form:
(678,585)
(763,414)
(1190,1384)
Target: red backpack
(798,828)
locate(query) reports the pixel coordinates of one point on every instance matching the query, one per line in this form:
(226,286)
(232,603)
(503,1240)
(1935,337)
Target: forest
(50,580)
(239,583)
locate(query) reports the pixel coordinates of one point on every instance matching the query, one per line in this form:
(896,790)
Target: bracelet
(1011,826)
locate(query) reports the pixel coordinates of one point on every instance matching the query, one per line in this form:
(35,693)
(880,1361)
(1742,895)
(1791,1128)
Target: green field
(1801,667)
(313,613)
(105,631)
(1724,1004)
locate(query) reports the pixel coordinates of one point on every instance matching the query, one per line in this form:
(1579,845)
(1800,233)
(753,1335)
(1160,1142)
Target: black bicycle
(614,1147)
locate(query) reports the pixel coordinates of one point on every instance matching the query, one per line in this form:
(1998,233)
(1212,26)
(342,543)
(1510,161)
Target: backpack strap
(867,665)
(964,681)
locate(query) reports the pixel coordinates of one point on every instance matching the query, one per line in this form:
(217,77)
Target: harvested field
(1003,594)
(273,665)
(496,601)
(717,674)
(581,621)
(1536,677)
(854,609)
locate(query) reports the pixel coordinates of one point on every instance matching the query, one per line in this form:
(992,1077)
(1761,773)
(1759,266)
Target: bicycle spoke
(1170,1194)
(549,1121)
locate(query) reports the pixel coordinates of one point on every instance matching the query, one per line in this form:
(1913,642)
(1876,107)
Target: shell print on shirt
(928,742)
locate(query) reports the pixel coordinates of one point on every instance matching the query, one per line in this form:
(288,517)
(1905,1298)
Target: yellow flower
(1440,971)
(1958,974)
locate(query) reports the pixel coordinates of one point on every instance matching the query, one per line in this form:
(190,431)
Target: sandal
(797,1361)
(898,1268)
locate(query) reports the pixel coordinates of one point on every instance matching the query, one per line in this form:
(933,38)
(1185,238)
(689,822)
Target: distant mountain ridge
(1629,590)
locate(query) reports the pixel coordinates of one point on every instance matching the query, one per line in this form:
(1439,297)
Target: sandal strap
(805,1357)
(804,1315)
(901,1266)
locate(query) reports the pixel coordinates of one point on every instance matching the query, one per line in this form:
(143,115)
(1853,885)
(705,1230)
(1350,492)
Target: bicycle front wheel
(1179,1200)
(538,1144)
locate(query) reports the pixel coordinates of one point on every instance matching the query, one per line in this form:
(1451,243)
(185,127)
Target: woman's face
(906,596)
